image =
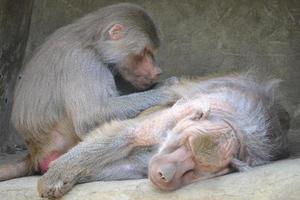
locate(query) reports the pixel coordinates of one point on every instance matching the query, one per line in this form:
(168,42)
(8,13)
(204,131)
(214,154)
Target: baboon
(68,87)
(219,125)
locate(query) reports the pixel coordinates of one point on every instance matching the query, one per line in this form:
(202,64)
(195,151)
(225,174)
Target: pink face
(199,151)
(141,70)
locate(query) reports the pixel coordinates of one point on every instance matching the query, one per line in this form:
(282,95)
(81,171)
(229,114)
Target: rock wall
(14,28)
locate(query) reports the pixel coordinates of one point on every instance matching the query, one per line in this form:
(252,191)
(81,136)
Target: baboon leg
(15,170)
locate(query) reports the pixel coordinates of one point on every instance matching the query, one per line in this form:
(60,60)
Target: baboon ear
(116,32)
(214,149)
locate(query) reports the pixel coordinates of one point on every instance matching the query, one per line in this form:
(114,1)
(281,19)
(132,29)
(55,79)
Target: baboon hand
(55,183)
(173,80)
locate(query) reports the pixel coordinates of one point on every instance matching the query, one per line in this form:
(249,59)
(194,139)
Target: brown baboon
(68,87)
(219,125)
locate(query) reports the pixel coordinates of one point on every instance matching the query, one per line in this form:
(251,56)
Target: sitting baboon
(69,87)
(218,126)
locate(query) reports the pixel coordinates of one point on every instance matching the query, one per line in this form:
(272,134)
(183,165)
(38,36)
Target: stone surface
(277,181)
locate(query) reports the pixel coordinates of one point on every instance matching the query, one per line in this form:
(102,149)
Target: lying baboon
(219,125)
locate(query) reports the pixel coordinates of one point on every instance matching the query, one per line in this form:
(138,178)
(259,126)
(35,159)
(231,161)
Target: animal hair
(255,117)
(63,62)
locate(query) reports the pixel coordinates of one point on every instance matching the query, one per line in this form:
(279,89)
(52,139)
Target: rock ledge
(276,181)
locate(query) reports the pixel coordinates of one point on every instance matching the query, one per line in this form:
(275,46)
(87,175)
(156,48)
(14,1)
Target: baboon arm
(128,106)
(19,169)
(91,99)
(95,110)
(88,161)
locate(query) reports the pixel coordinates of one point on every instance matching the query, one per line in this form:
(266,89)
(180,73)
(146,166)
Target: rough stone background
(199,37)
(14,28)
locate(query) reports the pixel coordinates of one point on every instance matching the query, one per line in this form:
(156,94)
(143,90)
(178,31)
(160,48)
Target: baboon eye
(152,56)
(143,52)
(199,115)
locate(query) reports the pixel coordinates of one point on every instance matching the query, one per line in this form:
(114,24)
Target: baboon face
(132,56)
(193,150)
(140,70)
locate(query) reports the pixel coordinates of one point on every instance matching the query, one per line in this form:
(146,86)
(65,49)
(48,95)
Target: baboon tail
(15,170)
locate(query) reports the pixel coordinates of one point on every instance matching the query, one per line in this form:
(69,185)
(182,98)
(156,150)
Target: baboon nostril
(166,173)
(162,176)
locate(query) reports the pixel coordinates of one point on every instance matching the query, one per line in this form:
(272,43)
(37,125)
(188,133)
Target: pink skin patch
(45,163)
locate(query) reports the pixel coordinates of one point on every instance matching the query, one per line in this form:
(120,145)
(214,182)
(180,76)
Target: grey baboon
(220,125)
(68,87)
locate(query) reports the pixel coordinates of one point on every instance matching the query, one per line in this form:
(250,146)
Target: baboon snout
(165,173)
(157,72)
(168,171)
